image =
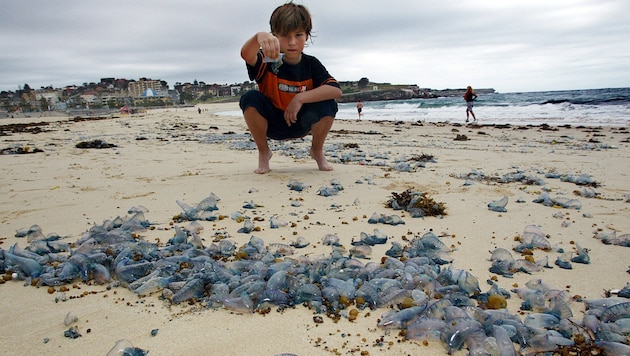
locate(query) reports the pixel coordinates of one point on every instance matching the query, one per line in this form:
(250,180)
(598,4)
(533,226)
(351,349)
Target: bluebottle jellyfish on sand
(202,211)
(378,237)
(297,185)
(425,294)
(499,205)
(126,348)
(564,260)
(300,242)
(248,226)
(276,222)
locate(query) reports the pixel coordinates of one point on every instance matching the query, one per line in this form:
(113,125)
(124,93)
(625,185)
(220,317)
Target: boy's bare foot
(263,162)
(322,163)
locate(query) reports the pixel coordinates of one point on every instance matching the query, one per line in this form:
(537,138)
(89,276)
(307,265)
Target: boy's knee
(249,111)
(249,99)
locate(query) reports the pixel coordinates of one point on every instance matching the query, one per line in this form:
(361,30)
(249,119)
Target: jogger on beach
(470,97)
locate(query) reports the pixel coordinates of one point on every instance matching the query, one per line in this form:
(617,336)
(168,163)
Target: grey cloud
(533,45)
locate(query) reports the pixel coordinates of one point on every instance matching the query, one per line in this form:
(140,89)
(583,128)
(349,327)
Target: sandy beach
(167,155)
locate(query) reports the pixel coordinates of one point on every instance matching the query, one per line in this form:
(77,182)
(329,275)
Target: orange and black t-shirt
(290,79)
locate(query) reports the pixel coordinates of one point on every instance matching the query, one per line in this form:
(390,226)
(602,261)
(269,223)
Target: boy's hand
(269,44)
(290,113)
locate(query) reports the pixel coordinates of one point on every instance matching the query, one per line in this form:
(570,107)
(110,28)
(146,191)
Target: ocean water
(592,107)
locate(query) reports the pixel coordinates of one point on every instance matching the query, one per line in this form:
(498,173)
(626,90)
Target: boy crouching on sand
(296,94)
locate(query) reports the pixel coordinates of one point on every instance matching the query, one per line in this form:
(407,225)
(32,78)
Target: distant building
(108,81)
(112,98)
(225,90)
(235,90)
(174,94)
(52,96)
(140,88)
(89,97)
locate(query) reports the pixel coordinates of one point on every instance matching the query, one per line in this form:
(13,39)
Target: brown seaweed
(409,200)
(19,150)
(99,144)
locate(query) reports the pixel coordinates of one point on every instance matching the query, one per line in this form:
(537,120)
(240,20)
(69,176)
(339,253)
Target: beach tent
(149,93)
(126,110)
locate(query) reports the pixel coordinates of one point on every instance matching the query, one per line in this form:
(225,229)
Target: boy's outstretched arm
(265,40)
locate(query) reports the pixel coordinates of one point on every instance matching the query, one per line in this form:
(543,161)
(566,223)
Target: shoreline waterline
(598,107)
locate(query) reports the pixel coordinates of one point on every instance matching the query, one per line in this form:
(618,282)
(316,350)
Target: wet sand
(178,154)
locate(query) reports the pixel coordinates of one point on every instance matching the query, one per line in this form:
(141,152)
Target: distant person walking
(360,109)
(470,97)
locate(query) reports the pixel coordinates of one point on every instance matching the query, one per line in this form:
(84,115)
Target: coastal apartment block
(145,88)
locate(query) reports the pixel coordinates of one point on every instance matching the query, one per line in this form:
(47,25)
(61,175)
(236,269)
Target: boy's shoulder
(309,59)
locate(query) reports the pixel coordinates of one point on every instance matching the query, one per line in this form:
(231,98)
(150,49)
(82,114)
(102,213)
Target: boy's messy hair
(290,17)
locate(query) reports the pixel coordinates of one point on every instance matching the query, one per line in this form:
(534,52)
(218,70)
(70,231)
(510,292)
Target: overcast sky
(508,45)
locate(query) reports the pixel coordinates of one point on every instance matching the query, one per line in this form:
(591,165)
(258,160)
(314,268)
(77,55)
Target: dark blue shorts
(278,129)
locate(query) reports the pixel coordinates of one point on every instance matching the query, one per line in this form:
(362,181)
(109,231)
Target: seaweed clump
(583,346)
(33,127)
(19,150)
(418,204)
(99,144)
(423,158)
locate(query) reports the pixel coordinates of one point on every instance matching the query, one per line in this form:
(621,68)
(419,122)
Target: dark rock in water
(95,144)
